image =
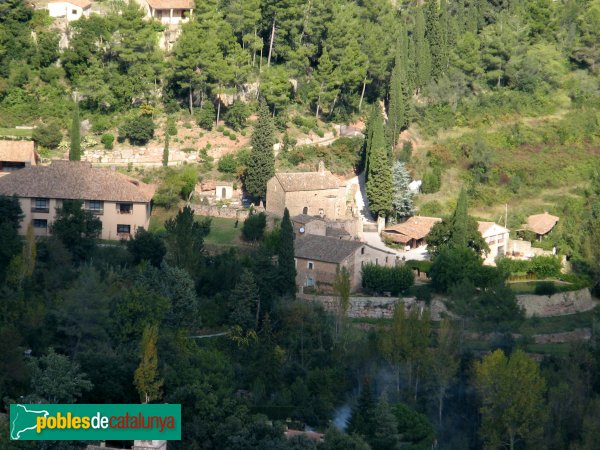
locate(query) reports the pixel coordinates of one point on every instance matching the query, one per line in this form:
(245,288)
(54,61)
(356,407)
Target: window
(40,223)
(124,208)
(41,205)
(74,12)
(362,251)
(310,265)
(310,281)
(123,229)
(95,206)
(305,210)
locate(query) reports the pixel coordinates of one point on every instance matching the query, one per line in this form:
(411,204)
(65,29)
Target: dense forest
(504,98)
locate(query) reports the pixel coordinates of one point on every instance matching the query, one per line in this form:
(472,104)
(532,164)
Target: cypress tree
(165,156)
(422,55)
(75,150)
(459,222)
(435,38)
(287,266)
(397,117)
(379,174)
(362,417)
(244,302)
(261,165)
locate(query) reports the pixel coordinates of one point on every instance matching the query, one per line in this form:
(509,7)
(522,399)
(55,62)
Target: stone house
(318,258)
(339,229)
(496,238)
(317,193)
(168,12)
(15,155)
(412,233)
(70,9)
(120,202)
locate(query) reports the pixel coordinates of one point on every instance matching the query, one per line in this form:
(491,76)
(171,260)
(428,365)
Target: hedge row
(380,279)
(538,266)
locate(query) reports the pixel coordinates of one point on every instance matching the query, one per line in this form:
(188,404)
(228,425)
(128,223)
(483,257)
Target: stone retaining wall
(215,211)
(376,307)
(560,304)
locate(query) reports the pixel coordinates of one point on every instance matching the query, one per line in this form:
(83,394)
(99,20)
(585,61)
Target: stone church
(317,193)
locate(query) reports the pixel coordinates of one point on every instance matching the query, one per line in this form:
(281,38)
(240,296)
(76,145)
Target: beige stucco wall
(497,240)
(110,218)
(219,192)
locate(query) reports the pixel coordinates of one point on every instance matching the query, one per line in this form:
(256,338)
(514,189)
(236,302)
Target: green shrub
(237,115)
(379,279)
(188,150)
(206,116)
(48,136)
(139,130)
(232,136)
(227,164)
(107,140)
(221,129)
(100,124)
(254,227)
(432,181)
(545,288)
(319,132)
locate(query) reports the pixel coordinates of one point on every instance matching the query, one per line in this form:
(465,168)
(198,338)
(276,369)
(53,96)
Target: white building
(496,238)
(71,9)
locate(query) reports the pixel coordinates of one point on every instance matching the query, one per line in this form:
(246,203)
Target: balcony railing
(96,212)
(40,210)
(125,211)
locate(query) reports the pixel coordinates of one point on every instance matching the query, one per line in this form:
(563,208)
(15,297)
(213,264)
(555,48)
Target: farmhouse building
(318,258)
(120,202)
(15,155)
(496,238)
(168,12)
(317,193)
(70,9)
(412,233)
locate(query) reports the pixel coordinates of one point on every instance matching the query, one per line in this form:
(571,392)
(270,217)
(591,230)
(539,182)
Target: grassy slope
(550,170)
(222,231)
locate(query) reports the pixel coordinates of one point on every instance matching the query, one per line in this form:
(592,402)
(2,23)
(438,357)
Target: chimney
(321,167)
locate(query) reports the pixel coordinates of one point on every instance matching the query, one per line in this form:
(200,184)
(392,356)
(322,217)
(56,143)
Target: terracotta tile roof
(308,181)
(81,3)
(416,227)
(16,151)
(74,180)
(541,223)
(171,4)
(323,248)
(336,232)
(484,227)
(312,435)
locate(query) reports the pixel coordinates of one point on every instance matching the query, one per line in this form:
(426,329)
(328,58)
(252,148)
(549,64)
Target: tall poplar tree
(287,266)
(146,376)
(261,165)
(75,150)
(379,175)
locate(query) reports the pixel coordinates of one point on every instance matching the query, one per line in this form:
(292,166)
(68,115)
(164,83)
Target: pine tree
(362,416)
(287,266)
(165,156)
(261,165)
(244,302)
(146,376)
(75,150)
(402,199)
(379,175)
(385,431)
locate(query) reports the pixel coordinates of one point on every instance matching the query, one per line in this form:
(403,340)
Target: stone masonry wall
(560,304)
(215,211)
(376,307)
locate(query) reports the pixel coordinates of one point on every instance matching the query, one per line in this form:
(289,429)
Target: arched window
(305,210)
